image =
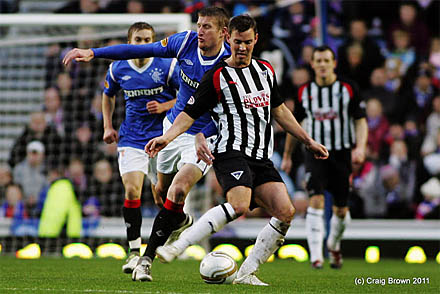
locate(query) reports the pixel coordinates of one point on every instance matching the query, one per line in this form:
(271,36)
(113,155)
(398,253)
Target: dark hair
(219,13)
(323,48)
(138,26)
(242,23)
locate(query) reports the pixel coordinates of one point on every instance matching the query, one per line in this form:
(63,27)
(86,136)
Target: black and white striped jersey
(240,100)
(330,112)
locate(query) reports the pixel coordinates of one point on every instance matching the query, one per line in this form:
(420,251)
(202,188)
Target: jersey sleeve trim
(183,43)
(171,70)
(110,70)
(300,92)
(216,82)
(349,89)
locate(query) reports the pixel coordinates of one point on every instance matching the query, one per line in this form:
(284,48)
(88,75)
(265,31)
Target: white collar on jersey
(141,69)
(210,61)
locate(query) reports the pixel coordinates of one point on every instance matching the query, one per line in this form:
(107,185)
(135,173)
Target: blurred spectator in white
(393,78)
(434,56)
(53,110)
(378,128)
(432,128)
(430,207)
(417,29)
(379,91)
(401,49)
(5,178)
(30,173)
(37,129)
(431,161)
(371,56)
(13,205)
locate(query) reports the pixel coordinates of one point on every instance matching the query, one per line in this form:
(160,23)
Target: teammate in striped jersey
(178,165)
(242,94)
(149,86)
(335,117)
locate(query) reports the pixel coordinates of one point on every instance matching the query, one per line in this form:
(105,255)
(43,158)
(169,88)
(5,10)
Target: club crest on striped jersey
(237,174)
(264,73)
(255,100)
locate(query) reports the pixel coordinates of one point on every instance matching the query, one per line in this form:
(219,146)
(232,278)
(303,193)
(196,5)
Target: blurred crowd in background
(390,48)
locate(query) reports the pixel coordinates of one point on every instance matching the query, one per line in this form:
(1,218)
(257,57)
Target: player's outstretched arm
(80,55)
(289,123)
(182,123)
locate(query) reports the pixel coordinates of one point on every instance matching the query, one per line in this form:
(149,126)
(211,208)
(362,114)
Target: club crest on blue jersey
(156,74)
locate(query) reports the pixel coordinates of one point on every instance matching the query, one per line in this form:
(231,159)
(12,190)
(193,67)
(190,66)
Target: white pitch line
(88,290)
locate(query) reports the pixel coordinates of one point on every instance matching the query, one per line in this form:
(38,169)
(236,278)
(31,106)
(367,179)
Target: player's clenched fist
(80,55)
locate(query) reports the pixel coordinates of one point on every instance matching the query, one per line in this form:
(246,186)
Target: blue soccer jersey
(184,47)
(155,81)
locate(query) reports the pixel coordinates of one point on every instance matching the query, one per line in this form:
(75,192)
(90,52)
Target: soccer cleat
(250,279)
(130,263)
(317,264)
(167,253)
(335,259)
(176,233)
(142,271)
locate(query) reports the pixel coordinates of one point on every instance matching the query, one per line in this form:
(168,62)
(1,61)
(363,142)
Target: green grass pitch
(60,275)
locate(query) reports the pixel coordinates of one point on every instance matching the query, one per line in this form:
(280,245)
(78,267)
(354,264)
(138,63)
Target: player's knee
(177,193)
(240,208)
(341,212)
(132,192)
(317,201)
(286,214)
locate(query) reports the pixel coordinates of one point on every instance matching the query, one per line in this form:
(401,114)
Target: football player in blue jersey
(149,86)
(179,167)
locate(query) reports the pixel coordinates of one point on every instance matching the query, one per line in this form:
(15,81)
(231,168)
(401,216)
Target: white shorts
(132,159)
(179,152)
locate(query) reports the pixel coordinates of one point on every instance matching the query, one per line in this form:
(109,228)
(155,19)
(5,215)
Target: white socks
(337,228)
(315,233)
(135,244)
(269,239)
(211,222)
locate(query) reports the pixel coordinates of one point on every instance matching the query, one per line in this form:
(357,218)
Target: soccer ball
(218,268)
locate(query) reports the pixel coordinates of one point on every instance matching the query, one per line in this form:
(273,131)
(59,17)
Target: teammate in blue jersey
(178,166)
(149,86)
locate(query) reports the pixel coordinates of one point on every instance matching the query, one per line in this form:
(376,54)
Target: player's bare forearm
(156,108)
(182,123)
(289,123)
(80,55)
(108,105)
(168,105)
(361,127)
